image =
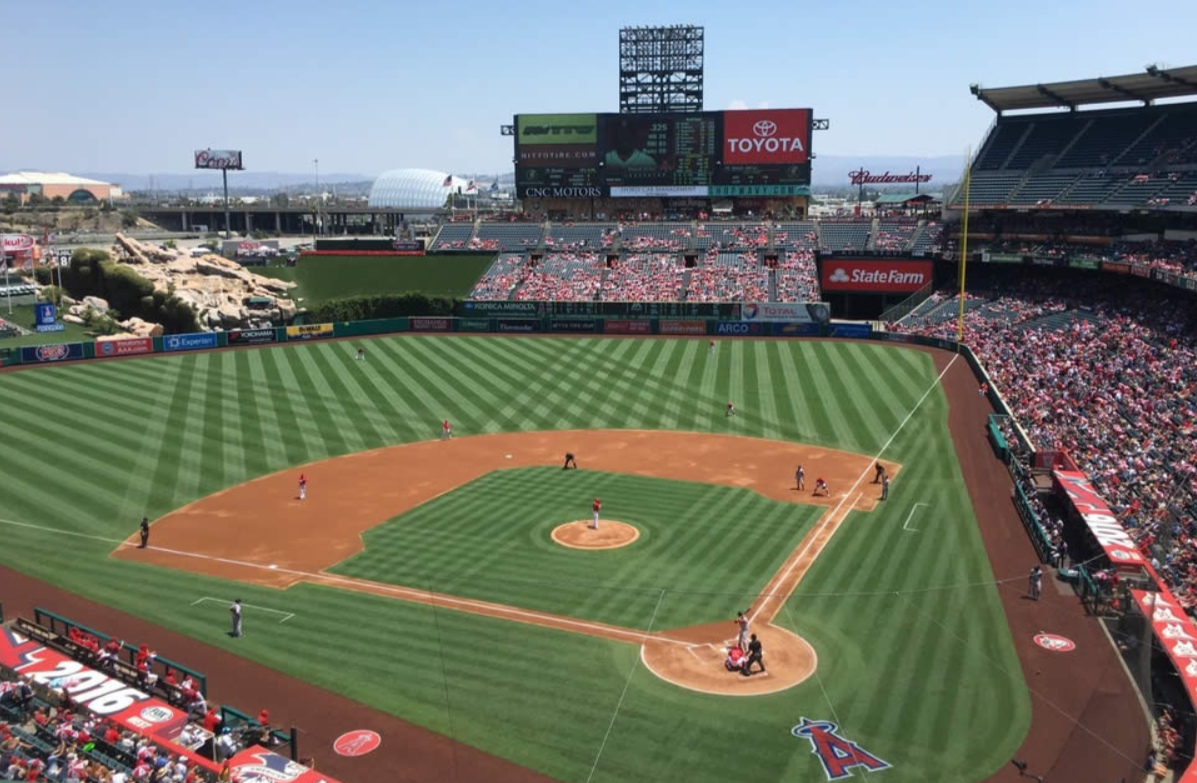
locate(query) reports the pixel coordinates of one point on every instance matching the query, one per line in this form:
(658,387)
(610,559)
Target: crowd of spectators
(562,277)
(797,278)
(503,275)
(734,237)
(477,243)
(644,277)
(1107,370)
(728,277)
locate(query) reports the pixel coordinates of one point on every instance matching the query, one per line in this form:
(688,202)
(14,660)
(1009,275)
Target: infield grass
(926,679)
(320,278)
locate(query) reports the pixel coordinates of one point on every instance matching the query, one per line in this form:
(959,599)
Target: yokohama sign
(777,136)
(218,159)
(880,277)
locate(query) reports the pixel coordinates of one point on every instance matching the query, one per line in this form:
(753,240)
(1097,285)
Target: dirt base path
(408,754)
(348,495)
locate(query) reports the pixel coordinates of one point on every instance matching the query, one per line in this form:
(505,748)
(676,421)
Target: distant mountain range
(827,170)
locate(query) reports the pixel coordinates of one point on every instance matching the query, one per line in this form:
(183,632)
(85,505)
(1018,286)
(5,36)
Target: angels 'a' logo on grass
(1055,642)
(838,755)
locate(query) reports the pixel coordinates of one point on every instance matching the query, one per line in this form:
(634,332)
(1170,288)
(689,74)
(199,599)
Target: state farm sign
(780,136)
(882,277)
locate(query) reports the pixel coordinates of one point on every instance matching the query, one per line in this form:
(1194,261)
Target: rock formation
(216,288)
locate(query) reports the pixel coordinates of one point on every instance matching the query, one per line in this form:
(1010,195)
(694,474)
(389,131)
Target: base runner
(821,486)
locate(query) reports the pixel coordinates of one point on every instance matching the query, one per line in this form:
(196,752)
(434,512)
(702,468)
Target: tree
(58,201)
(36,200)
(280,200)
(129,218)
(11,202)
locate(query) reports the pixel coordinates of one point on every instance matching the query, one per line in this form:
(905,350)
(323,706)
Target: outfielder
(731,408)
(595,508)
(446,430)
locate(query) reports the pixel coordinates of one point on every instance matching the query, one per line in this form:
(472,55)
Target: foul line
(627,682)
(287,615)
(829,518)
(911,516)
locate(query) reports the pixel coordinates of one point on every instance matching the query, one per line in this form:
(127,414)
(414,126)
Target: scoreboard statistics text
(731,153)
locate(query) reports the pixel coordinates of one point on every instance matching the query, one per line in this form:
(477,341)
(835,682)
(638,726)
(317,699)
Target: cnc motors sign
(218,159)
(777,136)
(879,277)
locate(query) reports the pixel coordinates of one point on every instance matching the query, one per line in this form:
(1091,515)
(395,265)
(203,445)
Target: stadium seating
(729,277)
(577,237)
(731,236)
(797,278)
(644,277)
(895,236)
(500,278)
(673,237)
(562,277)
(841,236)
(453,236)
(788,236)
(507,236)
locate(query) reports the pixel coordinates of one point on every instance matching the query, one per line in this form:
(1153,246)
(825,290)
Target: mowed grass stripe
(311,407)
(338,404)
(289,426)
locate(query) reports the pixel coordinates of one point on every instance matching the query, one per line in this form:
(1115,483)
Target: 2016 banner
(189,342)
(309,332)
(127,347)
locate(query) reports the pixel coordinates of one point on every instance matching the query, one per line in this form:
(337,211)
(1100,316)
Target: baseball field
(427,580)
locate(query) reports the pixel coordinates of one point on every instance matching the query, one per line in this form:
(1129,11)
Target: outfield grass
(927,679)
(490,540)
(23,315)
(321,278)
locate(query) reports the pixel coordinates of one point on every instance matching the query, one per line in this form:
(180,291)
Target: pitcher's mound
(693,658)
(610,534)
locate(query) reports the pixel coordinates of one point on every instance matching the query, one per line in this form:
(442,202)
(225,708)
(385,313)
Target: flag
(471,187)
(494,185)
(448,183)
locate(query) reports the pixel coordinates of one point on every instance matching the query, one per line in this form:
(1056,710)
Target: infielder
(799,478)
(821,486)
(303,487)
(235,612)
(569,460)
(595,508)
(145,532)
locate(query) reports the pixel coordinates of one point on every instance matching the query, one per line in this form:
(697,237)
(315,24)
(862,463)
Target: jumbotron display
(762,152)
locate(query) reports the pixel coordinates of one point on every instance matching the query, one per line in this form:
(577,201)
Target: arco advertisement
(896,276)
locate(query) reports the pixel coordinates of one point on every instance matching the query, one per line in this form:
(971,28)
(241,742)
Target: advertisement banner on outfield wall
(785,311)
(574,325)
(252,336)
(189,342)
(130,346)
(856,331)
(430,324)
(875,276)
(627,327)
(1138,270)
(518,325)
(309,332)
(738,328)
(51,353)
(1115,267)
(473,324)
(499,308)
(682,327)
(805,329)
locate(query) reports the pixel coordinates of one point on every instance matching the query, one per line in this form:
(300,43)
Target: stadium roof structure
(46,178)
(1151,85)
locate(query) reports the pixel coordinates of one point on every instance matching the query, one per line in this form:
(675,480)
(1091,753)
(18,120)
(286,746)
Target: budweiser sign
(865,177)
(218,159)
(780,136)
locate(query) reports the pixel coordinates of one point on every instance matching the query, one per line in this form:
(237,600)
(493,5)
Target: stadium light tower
(660,69)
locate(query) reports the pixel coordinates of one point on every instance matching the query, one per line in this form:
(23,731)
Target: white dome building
(414,189)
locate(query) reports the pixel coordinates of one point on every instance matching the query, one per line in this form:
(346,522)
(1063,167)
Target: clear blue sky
(365,86)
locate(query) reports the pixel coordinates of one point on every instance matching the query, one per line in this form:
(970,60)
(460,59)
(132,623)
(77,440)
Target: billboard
(252,336)
(877,276)
(766,137)
(430,324)
(557,156)
(749,153)
(309,331)
(51,353)
(785,311)
(127,347)
(189,342)
(16,243)
(218,159)
(682,327)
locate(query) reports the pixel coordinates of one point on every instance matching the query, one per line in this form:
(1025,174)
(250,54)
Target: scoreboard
(758,152)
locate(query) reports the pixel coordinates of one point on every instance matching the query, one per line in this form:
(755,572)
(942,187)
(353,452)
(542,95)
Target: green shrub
(93,273)
(362,308)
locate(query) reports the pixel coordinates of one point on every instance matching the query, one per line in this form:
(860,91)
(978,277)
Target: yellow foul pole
(964,241)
